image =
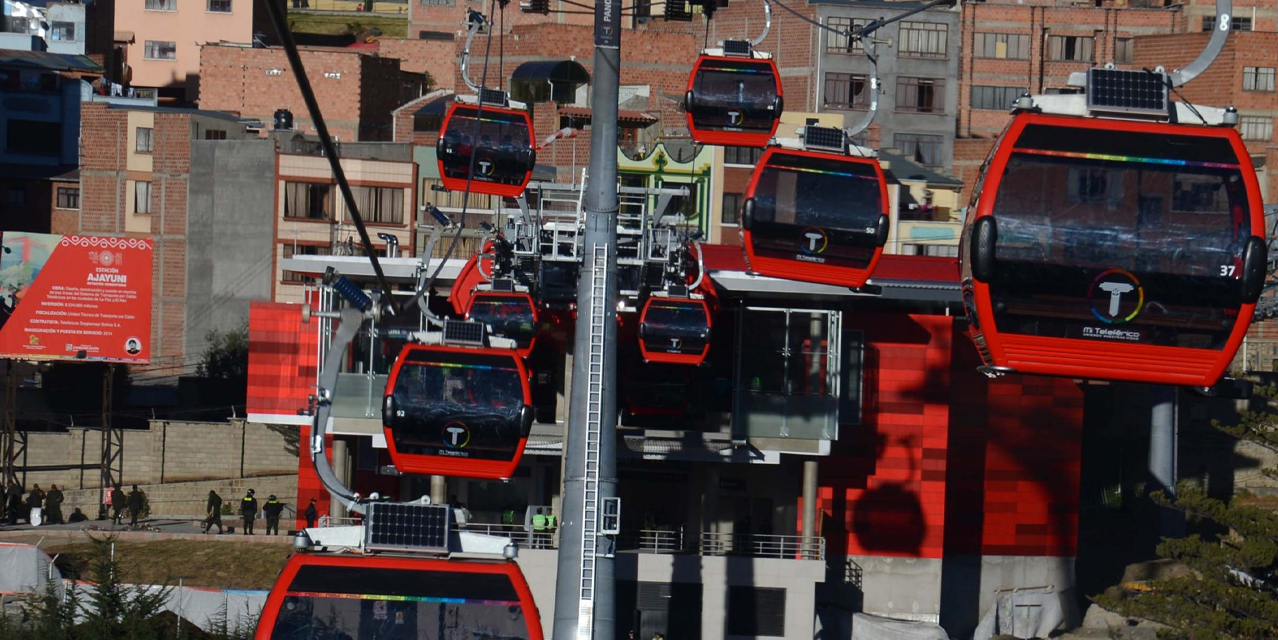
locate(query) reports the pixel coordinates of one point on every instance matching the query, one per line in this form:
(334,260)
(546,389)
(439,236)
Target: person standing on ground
(312,514)
(118,502)
(214,509)
(539,528)
(53,505)
(137,500)
(13,500)
(272,510)
(35,501)
(248,510)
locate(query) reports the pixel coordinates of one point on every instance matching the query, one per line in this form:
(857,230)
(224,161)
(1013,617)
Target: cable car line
(276,12)
(476,21)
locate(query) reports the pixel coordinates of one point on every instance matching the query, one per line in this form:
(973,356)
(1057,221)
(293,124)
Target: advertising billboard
(75,297)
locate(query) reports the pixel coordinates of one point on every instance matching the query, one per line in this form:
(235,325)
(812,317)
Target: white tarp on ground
(26,569)
(868,627)
(206,607)
(1025,613)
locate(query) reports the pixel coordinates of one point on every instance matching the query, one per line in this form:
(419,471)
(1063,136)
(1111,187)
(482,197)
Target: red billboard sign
(75,297)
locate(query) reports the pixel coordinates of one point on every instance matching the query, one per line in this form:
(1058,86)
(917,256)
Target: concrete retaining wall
(166,452)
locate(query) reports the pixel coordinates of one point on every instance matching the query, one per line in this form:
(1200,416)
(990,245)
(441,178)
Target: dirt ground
(222,564)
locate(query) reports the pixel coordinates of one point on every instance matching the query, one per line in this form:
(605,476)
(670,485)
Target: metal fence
(762,546)
(651,541)
(658,541)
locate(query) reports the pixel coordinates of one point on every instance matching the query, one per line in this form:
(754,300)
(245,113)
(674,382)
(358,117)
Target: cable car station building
(835,453)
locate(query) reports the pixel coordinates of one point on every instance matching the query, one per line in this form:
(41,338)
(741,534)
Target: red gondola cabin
(353,596)
(496,141)
(815,216)
(1113,249)
(734,100)
(457,411)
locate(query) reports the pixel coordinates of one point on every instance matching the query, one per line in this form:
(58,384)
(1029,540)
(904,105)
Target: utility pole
(585,597)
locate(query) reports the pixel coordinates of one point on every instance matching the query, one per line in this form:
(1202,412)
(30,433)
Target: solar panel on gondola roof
(402,527)
(463,332)
(823,137)
(1126,91)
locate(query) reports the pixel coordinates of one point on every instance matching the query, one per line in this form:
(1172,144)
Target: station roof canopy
(546,80)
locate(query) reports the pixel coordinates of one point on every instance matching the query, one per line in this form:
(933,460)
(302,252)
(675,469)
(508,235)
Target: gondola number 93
(1224,22)
(1227,270)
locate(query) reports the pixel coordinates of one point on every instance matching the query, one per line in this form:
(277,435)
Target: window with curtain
(380,204)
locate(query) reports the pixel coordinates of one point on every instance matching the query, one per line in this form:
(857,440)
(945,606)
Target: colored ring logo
(814,241)
(1117,283)
(456,435)
(486,167)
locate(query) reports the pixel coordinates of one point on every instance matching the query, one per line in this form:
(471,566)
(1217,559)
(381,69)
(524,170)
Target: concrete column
(438,489)
(1162,453)
(342,469)
(809,498)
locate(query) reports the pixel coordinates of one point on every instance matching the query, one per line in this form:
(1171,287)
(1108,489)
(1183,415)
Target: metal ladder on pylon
(594,427)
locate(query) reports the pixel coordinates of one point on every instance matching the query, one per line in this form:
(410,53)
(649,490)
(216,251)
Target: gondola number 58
(1224,22)
(1227,269)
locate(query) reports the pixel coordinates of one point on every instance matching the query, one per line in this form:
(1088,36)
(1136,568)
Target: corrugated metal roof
(47,61)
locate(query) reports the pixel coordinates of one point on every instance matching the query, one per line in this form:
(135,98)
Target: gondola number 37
(1227,269)
(1224,22)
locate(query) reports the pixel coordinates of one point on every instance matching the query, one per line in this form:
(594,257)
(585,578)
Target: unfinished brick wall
(255,82)
(435,57)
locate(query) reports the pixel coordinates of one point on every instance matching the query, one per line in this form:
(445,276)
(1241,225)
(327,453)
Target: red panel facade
(283,359)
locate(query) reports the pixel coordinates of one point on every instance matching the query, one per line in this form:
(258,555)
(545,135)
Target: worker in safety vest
(551,523)
(273,508)
(539,523)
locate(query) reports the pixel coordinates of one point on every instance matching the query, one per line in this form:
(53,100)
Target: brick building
(134,180)
(357,90)
(159,40)
(1242,76)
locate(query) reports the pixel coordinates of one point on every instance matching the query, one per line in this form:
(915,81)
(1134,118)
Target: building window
(920,95)
(1000,98)
(923,149)
(63,31)
(846,91)
(731,208)
(1258,78)
(219,6)
(1123,48)
(157,50)
(841,42)
(290,250)
(923,40)
(146,140)
(68,198)
(380,204)
(1070,48)
(756,611)
(33,138)
(214,134)
(17,195)
(1235,24)
(142,197)
(687,206)
(1258,128)
(308,201)
(161,5)
(1003,46)
(748,156)
(438,3)
(934,250)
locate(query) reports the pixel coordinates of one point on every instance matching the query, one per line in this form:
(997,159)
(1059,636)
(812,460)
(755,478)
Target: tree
(1232,592)
(226,356)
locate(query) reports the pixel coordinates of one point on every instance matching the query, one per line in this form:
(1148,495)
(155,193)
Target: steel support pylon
(585,588)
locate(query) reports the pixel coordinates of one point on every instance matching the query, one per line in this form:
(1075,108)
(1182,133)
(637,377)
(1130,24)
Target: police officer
(13,500)
(214,512)
(248,509)
(35,502)
(551,523)
(272,510)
